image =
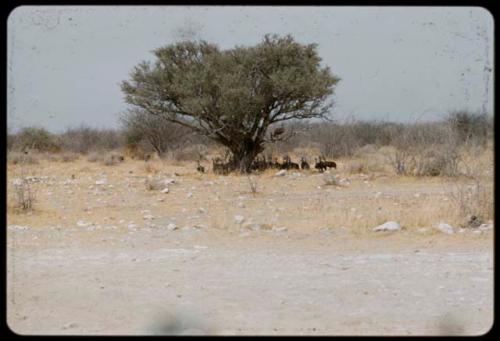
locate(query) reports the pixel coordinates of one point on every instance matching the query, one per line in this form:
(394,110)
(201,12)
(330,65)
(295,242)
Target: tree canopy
(233,96)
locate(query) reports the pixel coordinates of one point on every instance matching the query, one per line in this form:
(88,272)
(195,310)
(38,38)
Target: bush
(34,138)
(190,153)
(470,127)
(85,139)
(24,194)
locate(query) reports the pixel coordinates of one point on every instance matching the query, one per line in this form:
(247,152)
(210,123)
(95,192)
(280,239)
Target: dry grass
(307,202)
(22,158)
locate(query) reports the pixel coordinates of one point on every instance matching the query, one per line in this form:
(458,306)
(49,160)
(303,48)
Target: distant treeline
(330,138)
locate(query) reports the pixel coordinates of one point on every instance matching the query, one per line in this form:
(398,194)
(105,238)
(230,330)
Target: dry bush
(309,153)
(24,195)
(473,199)
(137,151)
(34,138)
(426,149)
(85,139)
(474,196)
(190,153)
(150,168)
(252,184)
(24,191)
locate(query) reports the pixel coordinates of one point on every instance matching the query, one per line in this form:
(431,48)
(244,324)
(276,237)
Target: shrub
(34,138)
(190,153)
(24,194)
(85,139)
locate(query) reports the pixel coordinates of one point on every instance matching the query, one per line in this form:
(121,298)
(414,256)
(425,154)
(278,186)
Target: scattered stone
(165,190)
(82,223)
(189,195)
(169,181)
(70,325)
(17,182)
(486,227)
(18,227)
(202,210)
(279,229)
(281,173)
(148,217)
(422,230)
(254,226)
(388,226)
(326,230)
(238,219)
(241,205)
(172,227)
(345,181)
(378,194)
(101,182)
(445,228)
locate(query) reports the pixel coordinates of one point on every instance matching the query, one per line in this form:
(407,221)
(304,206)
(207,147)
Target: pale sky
(66,63)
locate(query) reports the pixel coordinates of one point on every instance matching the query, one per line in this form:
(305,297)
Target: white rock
(445,228)
(148,217)
(189,195)
(254,227)
(388,226)
(202,210)
(279,229)
(486,227)
(18,227)
(238,219)
(101,182)
(132,226)
(378,194)
(82,223)
(17,182)
(281,173)
(241,205)
(169,181)
(165,190)
(172,227)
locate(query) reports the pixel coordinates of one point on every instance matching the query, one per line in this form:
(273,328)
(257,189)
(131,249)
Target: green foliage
(35,138)
(233,96)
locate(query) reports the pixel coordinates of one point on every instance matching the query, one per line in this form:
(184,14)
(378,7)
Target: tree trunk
(243,156)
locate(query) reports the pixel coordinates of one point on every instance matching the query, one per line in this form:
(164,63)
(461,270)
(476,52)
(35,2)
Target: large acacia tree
(233,96)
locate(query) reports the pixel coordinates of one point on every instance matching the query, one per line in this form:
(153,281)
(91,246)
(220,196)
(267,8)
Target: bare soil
(98,259)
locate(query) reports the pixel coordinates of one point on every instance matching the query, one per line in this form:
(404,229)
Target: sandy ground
(96,256)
